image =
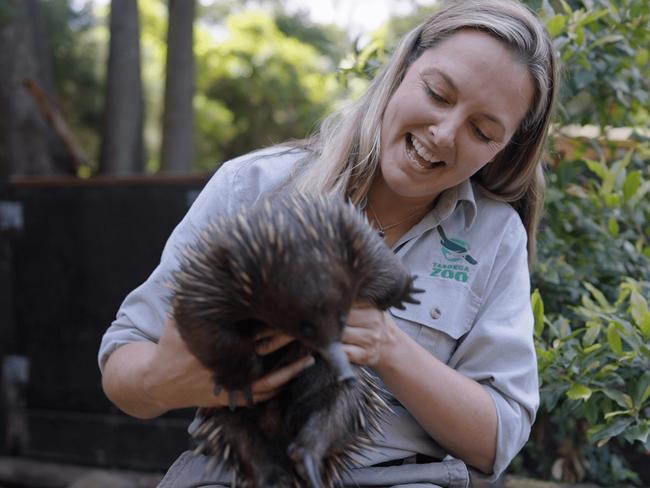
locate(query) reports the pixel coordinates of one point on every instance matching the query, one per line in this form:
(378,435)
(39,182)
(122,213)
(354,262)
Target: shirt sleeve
(499,351)
(142,314)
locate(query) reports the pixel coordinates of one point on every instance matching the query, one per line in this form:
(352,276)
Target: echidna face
(318,316)
(323,333)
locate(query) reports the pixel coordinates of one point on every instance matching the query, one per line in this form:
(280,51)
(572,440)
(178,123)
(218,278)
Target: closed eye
(480,134)
(435,96)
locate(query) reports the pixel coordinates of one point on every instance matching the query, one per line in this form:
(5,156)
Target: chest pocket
(446,313)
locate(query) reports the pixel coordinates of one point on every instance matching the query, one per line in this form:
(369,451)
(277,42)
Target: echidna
(291,264)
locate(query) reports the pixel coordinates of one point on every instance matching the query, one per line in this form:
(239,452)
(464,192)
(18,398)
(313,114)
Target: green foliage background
(264,77)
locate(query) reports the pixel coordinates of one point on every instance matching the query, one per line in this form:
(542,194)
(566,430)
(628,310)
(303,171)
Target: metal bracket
(11,216)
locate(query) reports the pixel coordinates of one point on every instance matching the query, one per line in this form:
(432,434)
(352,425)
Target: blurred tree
(176,154)
(273,88)
(78,42)
(605,53)
(329,40)
(28,145)
(122,144)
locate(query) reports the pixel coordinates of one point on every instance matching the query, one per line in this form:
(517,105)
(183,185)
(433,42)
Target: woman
(443,154)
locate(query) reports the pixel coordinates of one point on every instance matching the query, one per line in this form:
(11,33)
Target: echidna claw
(410,299)
(308,469)
(232,400)
(311,470)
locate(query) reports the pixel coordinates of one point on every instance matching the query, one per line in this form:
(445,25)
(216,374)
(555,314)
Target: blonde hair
(344,154)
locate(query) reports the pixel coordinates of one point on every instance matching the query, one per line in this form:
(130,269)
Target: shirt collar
(461,194)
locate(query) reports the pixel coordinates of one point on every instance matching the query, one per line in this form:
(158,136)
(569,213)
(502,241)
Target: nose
(444,134)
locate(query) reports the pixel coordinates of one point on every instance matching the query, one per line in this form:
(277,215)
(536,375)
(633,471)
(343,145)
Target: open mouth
(420,155)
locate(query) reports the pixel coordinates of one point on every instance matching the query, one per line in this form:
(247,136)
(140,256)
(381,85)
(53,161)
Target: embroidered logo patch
(456,253)
(454,249)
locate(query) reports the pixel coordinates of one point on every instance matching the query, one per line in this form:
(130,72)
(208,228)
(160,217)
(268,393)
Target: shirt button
(435,313)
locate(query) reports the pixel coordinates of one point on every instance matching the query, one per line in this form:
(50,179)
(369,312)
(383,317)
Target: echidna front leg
(259,463)
(229,352)
(330,429)
(308,449)
(389,288)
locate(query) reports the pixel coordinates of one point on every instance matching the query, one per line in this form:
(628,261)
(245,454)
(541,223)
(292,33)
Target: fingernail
(309,362)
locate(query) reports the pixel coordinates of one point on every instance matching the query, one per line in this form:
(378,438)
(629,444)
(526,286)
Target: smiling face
(458,106)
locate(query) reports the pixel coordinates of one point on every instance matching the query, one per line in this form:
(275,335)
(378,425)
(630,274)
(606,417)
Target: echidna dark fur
(292,264)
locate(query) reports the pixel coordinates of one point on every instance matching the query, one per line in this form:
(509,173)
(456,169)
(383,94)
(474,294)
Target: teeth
(422,151)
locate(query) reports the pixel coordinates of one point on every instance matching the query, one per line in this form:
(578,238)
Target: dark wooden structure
(70,251)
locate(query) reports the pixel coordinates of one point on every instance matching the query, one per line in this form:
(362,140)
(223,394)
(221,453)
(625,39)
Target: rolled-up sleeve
(499,351)
(142,314)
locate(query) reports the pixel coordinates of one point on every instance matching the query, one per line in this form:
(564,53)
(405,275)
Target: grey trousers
(190,471)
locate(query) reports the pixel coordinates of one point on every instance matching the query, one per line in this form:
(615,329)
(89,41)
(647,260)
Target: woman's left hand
(369,335)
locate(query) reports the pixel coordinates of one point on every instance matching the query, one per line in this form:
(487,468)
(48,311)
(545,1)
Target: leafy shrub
(604,49)
(593,339)
(596,227)
(595,385)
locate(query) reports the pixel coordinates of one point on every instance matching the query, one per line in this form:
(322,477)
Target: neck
(390,207)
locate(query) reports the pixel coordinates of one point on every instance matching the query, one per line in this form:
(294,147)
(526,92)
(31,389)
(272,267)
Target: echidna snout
(338,361)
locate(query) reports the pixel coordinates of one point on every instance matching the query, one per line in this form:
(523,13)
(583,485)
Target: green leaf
(631,185)
(592,348)
(594,16)
(612,200)
(607,40)
(640,312)
(644,325)
(579,392)
(608,368)
(592,333)
(614,339)
(642,389)
(625,290)
(642,57)
(598,295)
(638,433)
(617,396)
(616,413)
(612,225)
(555,25)
(603,433)
(580,37)
(538,312)
(597,167)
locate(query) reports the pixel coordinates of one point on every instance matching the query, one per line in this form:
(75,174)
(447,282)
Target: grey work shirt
(468,254)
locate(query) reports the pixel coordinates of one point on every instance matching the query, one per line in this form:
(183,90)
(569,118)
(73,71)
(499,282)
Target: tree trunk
(122,145)
(26,140)
(177,142)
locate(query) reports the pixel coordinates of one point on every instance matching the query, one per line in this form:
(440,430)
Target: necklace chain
(382,229)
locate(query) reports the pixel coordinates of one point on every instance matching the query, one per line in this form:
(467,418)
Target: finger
(361,317)
(265,334)
(281,376)
(359,336)
(271,343)
(356,354)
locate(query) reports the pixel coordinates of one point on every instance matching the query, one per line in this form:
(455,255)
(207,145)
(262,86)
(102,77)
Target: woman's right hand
(175,379)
